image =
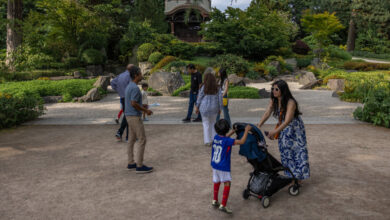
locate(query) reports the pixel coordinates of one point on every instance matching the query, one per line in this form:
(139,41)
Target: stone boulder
(77,75)
(311,85)
(236,80)
(305,78)
(92,95)
(185,94)
(94,70)
(264,94)
(52,99)
(292,62)
(166,82)
(145,67)
(336,84)
(103,82)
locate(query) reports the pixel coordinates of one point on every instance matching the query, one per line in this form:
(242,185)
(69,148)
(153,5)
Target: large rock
(292,62)
(305,78)
(92,95)
(94,70)
(264,94)
(145,67)
(77,75)
(236,80)
(336,84)
(311,85)
(166,82)
(185,94)
(103,82)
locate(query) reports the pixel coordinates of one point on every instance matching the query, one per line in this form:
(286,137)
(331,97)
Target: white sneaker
(225,209)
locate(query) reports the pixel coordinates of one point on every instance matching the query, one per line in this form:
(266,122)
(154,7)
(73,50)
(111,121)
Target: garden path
(370,60)
(317,106)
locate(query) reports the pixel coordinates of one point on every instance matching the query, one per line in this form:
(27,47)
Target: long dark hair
(210,84)
(286,96)
(223,75)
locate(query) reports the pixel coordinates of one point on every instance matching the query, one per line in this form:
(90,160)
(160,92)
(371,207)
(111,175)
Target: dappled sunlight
(256,109)
(342,107)
(6,152)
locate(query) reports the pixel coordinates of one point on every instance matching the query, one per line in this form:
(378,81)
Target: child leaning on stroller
(220,160)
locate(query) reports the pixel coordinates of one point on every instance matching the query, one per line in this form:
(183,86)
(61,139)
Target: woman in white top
(224,84)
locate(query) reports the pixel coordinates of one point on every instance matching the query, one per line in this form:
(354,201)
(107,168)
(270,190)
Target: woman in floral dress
(290,130)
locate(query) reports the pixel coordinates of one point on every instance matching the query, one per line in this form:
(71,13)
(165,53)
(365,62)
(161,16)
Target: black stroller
(265,180)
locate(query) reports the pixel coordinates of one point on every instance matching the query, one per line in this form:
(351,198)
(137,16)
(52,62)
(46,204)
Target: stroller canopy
(255,142)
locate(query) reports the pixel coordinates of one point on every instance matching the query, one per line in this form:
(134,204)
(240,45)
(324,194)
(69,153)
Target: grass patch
(35,74)
(242,92)
(68,89)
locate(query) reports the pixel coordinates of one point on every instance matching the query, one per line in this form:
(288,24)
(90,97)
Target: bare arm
(231,132)
(243,138)
(291,106)
(266,115)
(226,88)
(140,108)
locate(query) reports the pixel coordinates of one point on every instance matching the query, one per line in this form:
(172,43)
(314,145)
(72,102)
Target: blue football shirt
(221,153)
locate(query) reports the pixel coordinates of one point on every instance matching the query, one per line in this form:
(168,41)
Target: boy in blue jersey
(220,160)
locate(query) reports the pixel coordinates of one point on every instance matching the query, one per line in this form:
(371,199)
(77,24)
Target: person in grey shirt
(133,113)
(119,84)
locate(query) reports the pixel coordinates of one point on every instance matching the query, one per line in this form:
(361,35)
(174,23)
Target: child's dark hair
(145,85)
(222,127)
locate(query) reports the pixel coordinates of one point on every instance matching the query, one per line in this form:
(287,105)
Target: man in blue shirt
(133,113)
(119,84)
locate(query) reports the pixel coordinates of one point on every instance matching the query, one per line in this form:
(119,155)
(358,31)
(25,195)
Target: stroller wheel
(293,190)
(265,202)
(245,194)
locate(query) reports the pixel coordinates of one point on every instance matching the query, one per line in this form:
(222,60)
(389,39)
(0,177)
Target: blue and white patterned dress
(293,149)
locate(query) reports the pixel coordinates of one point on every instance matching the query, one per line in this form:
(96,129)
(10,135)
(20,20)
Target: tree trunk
(351,35)
(14,28)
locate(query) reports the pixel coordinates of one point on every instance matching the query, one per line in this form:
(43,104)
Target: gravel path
(317,106)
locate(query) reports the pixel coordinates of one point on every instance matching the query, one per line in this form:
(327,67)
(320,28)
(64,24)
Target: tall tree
(14,30)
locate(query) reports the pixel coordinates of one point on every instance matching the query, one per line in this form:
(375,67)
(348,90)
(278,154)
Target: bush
(181,49)
(363,66)
(155,57)
(243,92)
(252,75)
(17,109)
(92,57)
(165,61)
(67,88)
(3,54)
(208,49)
(303,62)
(176,64)
(376,107)
(300,47)
(71,62)
(271,71)
(234,64)
(336,52)
(187,86)
(35,74)
(144,51)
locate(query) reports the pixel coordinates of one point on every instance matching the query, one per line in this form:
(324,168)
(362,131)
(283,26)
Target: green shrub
(300,47)
(68,88)
(243,92)
(3,54)
(272,71)
(376,107)
(144,51)
(71,62)
(176,64)
(252,74)
(165,61)
(181,49)
(363,66)
(303,62)
(155,57)
(92,57)
(17,109)
(35,74)
(155,91)
(234,64)
(336,52)
(208,48)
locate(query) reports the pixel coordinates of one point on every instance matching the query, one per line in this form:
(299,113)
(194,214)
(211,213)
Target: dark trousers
(193,97)
(124,121)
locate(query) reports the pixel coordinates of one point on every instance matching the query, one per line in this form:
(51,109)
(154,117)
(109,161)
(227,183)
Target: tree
(14,31)
(321,26)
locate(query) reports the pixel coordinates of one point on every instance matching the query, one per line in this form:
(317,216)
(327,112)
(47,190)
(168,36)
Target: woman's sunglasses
(276,89)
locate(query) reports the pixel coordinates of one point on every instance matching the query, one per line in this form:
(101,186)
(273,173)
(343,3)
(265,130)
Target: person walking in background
(133,100)
(224,84)
(209,104)
(145,103)
(119,84)
(290,130)
(196,81)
